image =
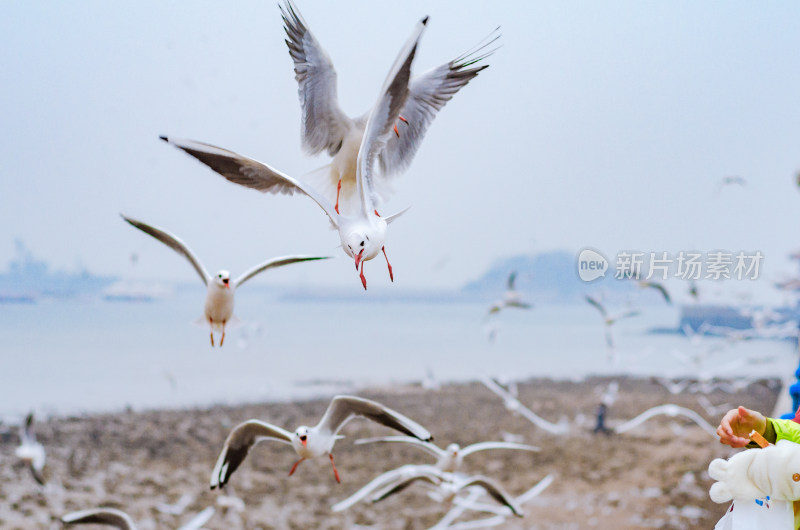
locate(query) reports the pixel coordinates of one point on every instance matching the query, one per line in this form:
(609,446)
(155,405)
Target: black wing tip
(166,139)
(425,20)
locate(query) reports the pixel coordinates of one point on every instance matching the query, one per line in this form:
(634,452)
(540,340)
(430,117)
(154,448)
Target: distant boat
(29,279)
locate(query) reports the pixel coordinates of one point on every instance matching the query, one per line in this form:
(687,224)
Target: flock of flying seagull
(367,152)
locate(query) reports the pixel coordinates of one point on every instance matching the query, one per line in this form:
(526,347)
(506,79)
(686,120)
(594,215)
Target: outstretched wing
(324,123)
(383,117)
(390,477)
(250,173)
(274,262)
(26,432)
(426,446)
(428,94)
(511,279)
(343,408)
(172,242)
(109,516)
(197,522)
(431,475)
(494,490)
(484,446)
(238,444)
(660,288)
(596,304)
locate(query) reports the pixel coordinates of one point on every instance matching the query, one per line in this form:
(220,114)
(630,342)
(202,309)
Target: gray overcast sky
(606,124)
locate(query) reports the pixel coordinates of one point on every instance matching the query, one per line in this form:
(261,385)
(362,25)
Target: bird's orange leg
(223,335)
(335,473)
(395,125)
(294,467)
(338,189)
(211,323)
(361,275)
(391,276)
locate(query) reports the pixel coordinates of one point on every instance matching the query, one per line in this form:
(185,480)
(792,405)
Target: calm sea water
(73,356)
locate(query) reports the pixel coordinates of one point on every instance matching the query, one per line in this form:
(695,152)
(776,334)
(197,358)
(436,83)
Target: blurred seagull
(121,520)
(325,127)
(658,287)
(732,180)
(609,320)
(512,297)
(309,442)
(363,233)
(218,309)
(450,459)
(513,405)
(179,507)
(449,485)
(30,451)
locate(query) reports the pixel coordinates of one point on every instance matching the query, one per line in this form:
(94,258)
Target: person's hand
(735,427)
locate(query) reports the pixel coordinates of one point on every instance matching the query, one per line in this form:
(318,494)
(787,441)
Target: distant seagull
(670,410)
(121,520)
(363,232)
(658,287)
(512,297)
(673,387)
(450,459)
(30,451)
(218,309)
(309,442)
(609,320)
(450,484)
(732,180)
(513,405)
(325,127)
(693,292)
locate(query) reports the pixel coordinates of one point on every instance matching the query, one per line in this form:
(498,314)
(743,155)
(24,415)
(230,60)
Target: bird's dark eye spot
(362,243)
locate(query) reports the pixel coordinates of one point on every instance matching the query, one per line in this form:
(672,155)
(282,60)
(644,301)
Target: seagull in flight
(309,442)
(609,319)
(512,297)
(218,309)
(325,127)
(658,287)
(30,451)
(450,484)
(446,484)
(363,232)
(450,459)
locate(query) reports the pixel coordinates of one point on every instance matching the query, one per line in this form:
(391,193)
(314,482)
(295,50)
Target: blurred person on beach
(600,426)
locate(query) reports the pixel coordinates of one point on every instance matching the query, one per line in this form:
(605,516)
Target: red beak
(304,442)
(225,281)
(358,258)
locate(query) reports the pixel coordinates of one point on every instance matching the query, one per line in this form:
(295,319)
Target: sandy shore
(651,477)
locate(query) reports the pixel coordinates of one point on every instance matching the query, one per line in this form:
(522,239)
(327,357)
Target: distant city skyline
(605,125)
